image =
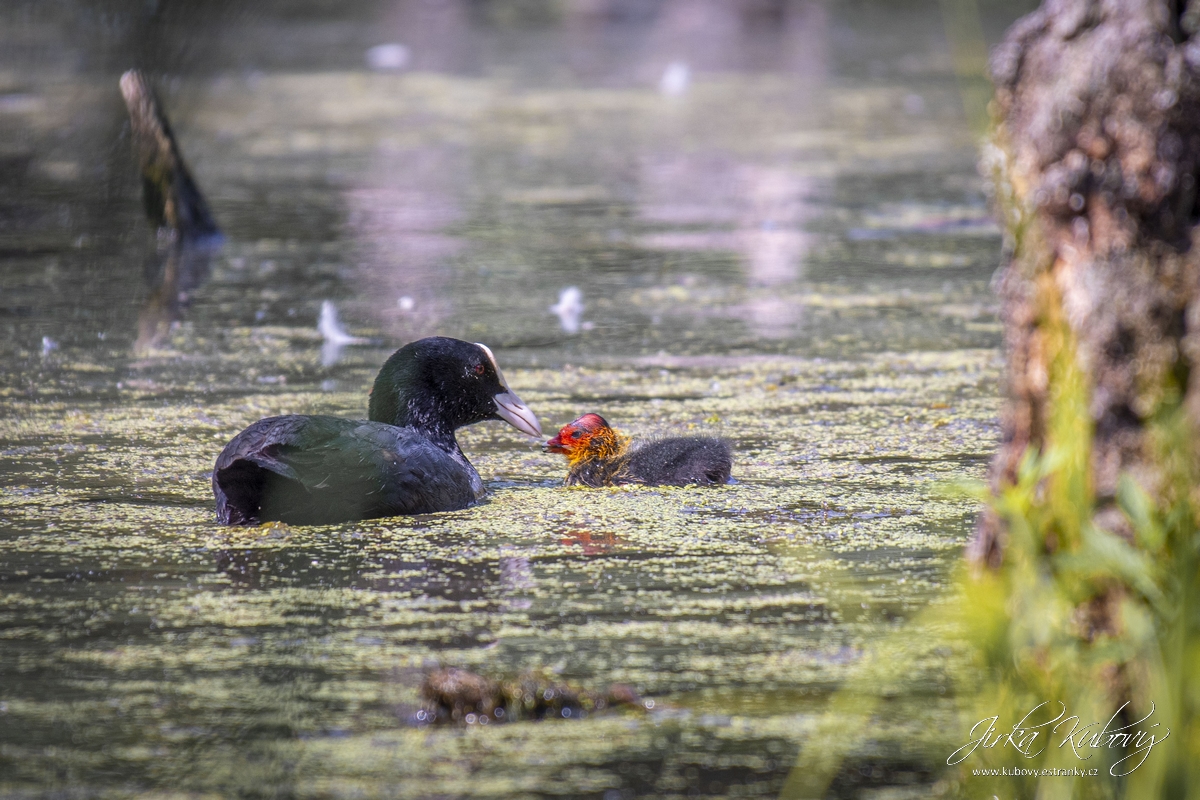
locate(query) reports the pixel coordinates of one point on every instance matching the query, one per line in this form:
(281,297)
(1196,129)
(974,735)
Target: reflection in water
(591,543)
(774,243)
(569,309)
(675,79)
(715,203)
(334,335)
(386,57)
(174,270)
(767,206)
(438,35)
(430,583)
(412,191)
(399,235)
(516,580)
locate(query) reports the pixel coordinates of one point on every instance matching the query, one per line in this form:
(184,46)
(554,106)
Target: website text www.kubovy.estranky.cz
(1045,772)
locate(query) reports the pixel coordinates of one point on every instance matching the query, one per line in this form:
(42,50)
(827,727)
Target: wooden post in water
(171,196)
(173,203)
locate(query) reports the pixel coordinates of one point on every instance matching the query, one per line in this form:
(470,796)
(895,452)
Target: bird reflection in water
(591,543)
(188,236)
(569,310)
(333,335)
(273,559)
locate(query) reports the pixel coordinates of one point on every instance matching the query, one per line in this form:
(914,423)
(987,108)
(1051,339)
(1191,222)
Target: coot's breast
(314,470)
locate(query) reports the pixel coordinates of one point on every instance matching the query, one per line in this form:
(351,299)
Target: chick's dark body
(681,461)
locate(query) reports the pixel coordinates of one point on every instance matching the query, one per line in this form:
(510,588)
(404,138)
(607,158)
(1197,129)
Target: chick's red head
(588,433)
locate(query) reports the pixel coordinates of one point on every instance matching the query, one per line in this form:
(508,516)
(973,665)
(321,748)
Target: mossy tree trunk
(1095,158)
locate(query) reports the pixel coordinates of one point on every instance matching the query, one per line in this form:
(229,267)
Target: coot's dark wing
(318,470)
(681,461)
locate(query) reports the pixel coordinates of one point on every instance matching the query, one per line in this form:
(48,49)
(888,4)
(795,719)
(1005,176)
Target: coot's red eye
(576,434)
(480,369)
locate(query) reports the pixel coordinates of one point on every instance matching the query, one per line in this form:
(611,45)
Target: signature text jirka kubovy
(1033,734)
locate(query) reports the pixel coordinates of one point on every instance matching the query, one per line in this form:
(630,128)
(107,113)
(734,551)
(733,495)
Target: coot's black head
(439,384)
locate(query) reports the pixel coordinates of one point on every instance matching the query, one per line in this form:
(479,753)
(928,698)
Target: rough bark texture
(1096,150)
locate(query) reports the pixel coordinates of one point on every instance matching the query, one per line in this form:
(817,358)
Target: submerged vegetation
(455,695)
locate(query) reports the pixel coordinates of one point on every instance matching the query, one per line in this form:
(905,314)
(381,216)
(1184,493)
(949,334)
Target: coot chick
(317,470)
(597,455)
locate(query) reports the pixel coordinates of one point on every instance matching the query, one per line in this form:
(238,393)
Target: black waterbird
(314,470)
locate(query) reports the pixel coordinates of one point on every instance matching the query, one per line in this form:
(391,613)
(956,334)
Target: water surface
(781,239)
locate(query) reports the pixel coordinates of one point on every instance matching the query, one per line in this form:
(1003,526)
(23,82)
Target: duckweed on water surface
(794,254)
(738,608)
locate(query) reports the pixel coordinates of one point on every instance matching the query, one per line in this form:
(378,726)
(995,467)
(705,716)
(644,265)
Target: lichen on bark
(1094,158)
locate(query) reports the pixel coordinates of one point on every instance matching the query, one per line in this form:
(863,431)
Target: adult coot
(315,470)
(597,455)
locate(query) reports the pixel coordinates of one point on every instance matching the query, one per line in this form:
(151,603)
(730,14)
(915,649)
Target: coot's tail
(239,490)
(172,198)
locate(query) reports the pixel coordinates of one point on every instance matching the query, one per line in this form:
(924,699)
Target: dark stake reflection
(173,272)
